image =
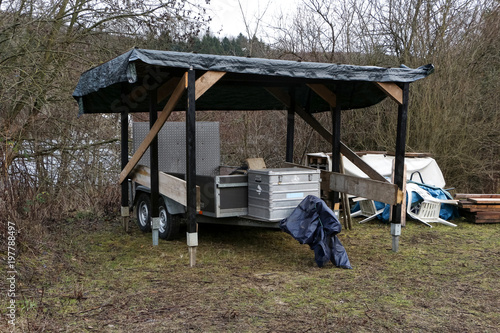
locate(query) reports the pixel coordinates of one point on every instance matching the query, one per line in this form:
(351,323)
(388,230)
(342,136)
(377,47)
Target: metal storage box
(274,193)
(223,196)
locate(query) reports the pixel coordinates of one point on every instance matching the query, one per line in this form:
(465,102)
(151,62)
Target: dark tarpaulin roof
(124,82)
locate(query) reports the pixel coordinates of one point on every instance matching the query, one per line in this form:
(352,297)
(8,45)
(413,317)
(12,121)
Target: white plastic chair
(428,210)
(367,208)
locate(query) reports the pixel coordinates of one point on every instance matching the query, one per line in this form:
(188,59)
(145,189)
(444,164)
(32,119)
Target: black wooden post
(125,212)
(192,232)
(399,164)
(290,127)
(336,153)
(153,162)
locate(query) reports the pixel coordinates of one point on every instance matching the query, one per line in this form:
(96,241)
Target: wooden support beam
(392,90)
(336,147)
(172,102)
(403,203)
(153,164)
(346,151)
(194,91)
(206,81)
(346,208)
(166,89)
(366,188)
(399,159)
(191,152)
(283,97)
(361,164)
(124,155)
(124,161)
(325,93)
(170,186)
(290,126)
(280,94)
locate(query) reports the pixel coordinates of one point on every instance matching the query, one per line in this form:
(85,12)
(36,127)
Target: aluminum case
(274,193)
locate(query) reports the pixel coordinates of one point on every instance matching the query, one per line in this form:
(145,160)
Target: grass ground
(96,278)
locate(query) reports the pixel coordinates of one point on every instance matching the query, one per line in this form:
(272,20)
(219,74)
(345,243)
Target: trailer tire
(143,210)
(169,224)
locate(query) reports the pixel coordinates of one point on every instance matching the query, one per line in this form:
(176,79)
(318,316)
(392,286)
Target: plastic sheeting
(312,222)
(125,82)
(427,167)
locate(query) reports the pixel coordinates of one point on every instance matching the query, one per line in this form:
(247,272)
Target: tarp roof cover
(124,82)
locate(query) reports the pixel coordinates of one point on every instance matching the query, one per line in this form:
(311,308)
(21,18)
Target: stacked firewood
(479,208)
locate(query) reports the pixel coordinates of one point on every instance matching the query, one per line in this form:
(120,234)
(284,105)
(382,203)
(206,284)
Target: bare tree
(253,26)
(45,44)
(45,151)
(419,29)
(454,112)
(326,31)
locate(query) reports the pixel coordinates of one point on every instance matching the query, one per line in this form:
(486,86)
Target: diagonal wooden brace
(172,102)
(205,82)
(322,91)
(392,90)
(282,96)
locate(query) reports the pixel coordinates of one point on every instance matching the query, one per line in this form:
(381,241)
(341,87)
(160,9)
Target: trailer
(232,195)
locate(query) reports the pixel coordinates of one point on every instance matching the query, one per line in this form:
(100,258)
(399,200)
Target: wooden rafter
(325,93)
(392,90)
(206,81)
(166,89)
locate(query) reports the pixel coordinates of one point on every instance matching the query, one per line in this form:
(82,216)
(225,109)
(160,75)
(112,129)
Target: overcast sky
(228,19)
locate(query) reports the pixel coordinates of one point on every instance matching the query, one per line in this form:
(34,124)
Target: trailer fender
(173,207)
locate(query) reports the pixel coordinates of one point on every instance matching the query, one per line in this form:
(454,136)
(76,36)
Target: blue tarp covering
(315,224)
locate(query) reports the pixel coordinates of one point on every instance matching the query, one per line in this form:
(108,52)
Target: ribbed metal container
(274,193)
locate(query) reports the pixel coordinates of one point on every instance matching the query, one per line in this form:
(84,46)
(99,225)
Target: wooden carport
(151,81)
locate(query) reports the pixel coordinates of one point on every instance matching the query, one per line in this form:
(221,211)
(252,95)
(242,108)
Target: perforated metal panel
(172,147)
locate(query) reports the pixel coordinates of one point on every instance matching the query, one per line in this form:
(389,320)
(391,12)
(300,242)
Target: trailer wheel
(144,212)
(169,224)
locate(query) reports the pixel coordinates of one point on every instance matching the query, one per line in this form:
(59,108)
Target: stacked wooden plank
(479,208)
